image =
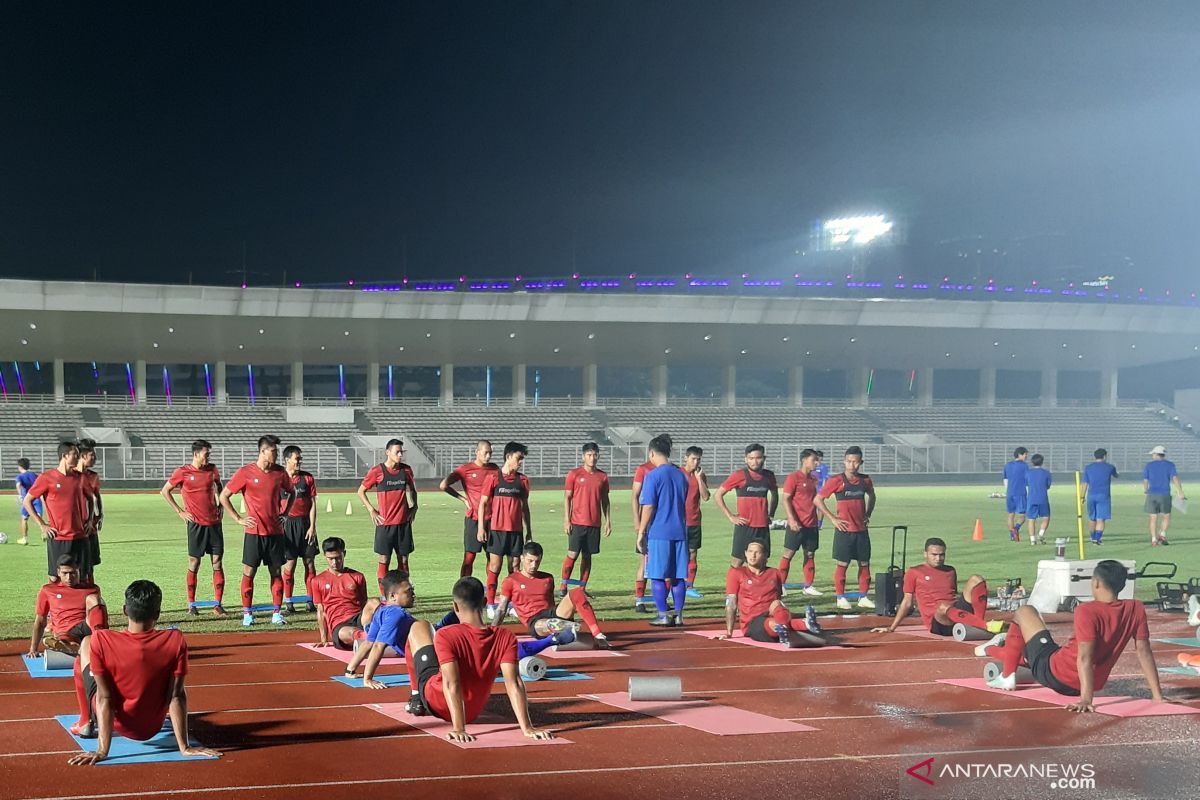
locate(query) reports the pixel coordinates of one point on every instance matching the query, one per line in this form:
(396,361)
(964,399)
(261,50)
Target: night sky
(154,141)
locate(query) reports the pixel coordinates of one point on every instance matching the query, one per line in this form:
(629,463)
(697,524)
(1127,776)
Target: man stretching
(531,593)
(934,585)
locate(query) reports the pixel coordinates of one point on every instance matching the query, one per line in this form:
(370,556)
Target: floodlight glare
(856,231)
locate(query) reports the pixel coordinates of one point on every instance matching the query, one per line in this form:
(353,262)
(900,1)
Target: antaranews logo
(954,775)
(925,767)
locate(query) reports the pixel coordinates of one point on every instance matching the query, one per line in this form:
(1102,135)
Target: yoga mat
(1189,671)
(1114,706)
(1191,642)
(552,674)
(917,630)
(127,751)
(37,668)
(345,656)
(702,715)
(1145,708)
(487,733)
(739,638)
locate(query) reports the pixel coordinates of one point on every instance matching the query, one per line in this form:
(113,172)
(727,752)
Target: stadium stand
(437,427)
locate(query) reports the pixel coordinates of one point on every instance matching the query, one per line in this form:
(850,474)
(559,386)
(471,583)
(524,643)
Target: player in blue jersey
(25,479)
(662,529)
(1014,492)
(1097,491)
(1037,507)
(1156,483)
(821,473)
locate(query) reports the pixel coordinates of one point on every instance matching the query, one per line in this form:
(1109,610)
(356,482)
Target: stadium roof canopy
(114,322)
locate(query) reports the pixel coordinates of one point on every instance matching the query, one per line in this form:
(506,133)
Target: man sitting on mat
(129,681)
(340,594)
(531,594)
(66,612)
(934,584)
(754,591)
(1079,668)
(454,673)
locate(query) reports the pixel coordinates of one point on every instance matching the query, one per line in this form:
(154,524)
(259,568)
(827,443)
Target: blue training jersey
(390,625)
(666,489)
(1099,476)
(1014,473)
(822,474)
(1038,480)
(25,482)
(1159,474)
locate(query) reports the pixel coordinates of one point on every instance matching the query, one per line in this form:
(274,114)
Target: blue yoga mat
(1191,673)
(126,751)
(552,674)
(37,668)
(1192,642)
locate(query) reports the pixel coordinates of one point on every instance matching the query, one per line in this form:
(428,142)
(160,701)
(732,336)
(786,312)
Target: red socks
(978,599)
(587,614)
(97,617)
(810,569)
(785,564)
(380,571)
(692,566)
(289,584)
(568,566)
(864,579)
(639,587)
(277,592)
(468,565)
(191,587)
(493,580)
(839,580)
(81,697)
(247,593)
(1014,650)
(585,570)
(218,585)
(977,617)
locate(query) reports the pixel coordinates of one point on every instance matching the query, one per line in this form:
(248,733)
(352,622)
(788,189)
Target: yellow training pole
(1079,511)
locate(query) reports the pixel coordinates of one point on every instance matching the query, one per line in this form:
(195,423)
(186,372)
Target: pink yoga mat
(702,715)
(738,638)
(917,630)
(1113,706)
(487,733)
(346,656)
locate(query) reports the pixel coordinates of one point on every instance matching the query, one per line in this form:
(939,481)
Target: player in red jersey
(396,492)
(697,493)
(299,527)
(585,507)
(93,503)
(531,593)
(639,583)
(67,611)
(62,492)
(754,592)
(1080,668)
(454,672)
(127,682)
(851,540)
(504,504)
(472,476)
(757,498)
(200,485)
(934,586)
(804,519)
(340,594)
(265,488)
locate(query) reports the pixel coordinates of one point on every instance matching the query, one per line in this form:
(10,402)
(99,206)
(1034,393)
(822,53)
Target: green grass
(143,539)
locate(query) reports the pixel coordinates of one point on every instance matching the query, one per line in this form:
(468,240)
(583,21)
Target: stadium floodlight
(856,231)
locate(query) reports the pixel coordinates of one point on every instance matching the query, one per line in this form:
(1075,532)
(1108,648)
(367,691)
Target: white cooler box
(1054,588)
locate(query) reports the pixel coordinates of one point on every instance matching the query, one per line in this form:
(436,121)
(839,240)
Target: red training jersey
(851,498)
(752,489)
(342,596)
(931,586)
(140,667)
(1109,626)
(691,505)
(801,486)
(62,496)
(639,474)
(529,595)
(199,488)
(304,487)
(479,652)
(588,491)
(755,591)
(472,477)
(509,494)
(264,492)
(63,604)
(391,491)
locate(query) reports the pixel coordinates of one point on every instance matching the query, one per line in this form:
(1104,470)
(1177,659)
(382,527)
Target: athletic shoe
(564,636)
(1097,542)
(219,611)
(1163,541)
(291,608)
(676,619)
(1154,542)
(692,593)
(23,540)
(812,591)
(310,607)
(810,619)
(562,592)
(1005,682)
(193,611)
(277,618)
(1041,538)
(601,642)
(1193,608)
(511,613)
(778,524)
(640,606)
(866,602)
(783,634)
(843,604)
(84,730)
(247,619)
(51,641)
(490,613)
(416,707)
(995,641)
(661,621)
(995,626)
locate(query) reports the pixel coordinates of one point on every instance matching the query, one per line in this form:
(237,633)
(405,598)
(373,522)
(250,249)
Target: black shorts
(81,549)
(805,540)
(471,543)
(354,624)
(851,546)
(757,629)
(425,664)
(504,543)
(546,613)
(78,631)
(695,537)
(584,539)
(89,686)
(743,535)
(1037,652)
(295,543)
(205,539)
(939,629)
(398,538)
(265,550)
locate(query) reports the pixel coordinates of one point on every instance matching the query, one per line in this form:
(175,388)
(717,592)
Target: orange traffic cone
(978,535)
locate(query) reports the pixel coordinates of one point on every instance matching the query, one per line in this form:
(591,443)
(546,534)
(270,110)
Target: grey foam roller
(664,688)
(966,633)
(532,668)
(991,671)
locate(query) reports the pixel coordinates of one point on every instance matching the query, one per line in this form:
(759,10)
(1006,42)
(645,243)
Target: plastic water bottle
(1060,549)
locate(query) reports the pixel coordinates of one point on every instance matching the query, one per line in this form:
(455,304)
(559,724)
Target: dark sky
(144,141)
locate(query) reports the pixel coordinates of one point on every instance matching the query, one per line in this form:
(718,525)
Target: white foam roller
(532,668)
(966,633)
(991,671)
(56,660)
(664,688)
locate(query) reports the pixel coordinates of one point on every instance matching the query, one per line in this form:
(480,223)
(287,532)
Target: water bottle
(1060,549)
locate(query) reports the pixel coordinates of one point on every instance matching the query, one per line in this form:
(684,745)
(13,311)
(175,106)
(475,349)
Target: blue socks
(450,619)
(658,588)
(534,646)
(679,594)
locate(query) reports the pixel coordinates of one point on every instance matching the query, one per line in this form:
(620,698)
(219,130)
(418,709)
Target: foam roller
(991,671)
(665,688)
(56,660)
(532,668)
(966,633)
(583,641)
